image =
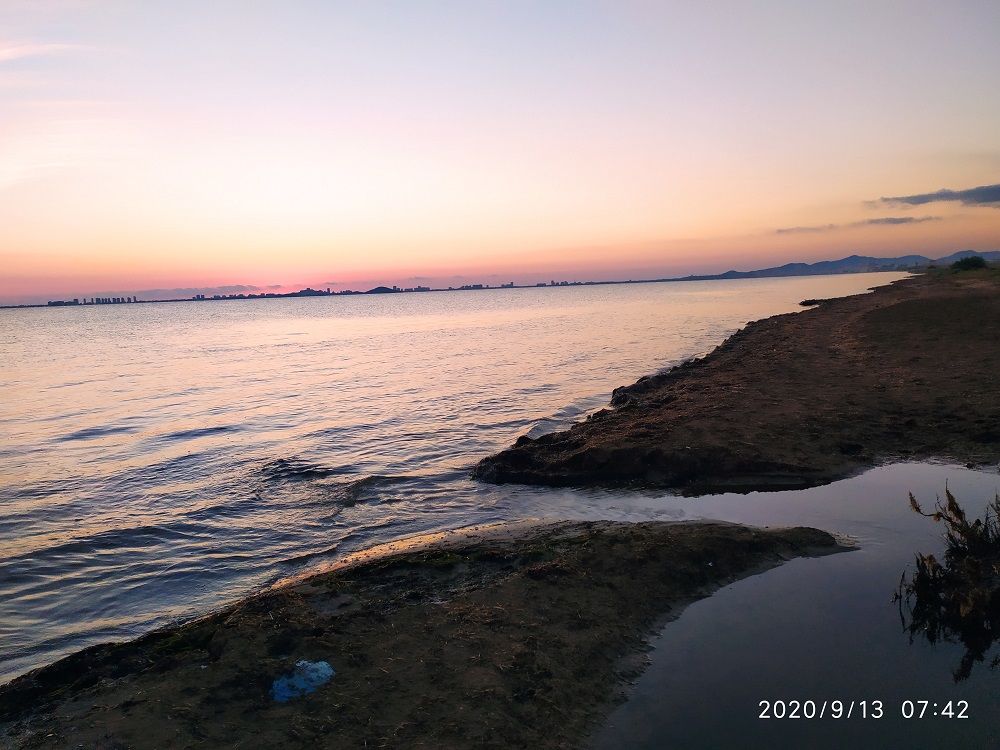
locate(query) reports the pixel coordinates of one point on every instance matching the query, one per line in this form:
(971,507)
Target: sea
(161,460)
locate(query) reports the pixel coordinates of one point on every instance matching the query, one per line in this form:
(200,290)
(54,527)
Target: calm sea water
(160,460)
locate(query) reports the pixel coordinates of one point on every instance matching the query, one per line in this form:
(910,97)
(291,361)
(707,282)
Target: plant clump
(972,263)
(957,599)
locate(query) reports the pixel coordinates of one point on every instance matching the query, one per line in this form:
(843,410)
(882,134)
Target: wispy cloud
(985,195)
(807,230)
(898,220)
(883,221)
(15,50)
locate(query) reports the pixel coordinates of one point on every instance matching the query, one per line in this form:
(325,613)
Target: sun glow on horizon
(193,146)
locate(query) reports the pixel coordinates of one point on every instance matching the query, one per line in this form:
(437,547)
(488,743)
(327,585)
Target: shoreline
(528,633)
(906,372)
(478,638)
(844,266)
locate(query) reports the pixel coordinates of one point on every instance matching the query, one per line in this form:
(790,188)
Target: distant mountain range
(850,264)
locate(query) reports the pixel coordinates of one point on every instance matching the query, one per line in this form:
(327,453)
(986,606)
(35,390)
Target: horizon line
(256,292)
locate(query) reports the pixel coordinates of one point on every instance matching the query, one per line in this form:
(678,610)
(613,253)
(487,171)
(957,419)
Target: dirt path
(911,371)
(496,642)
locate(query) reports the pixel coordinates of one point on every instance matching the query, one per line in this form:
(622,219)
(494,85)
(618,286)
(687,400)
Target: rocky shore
(518,636)
(910,371)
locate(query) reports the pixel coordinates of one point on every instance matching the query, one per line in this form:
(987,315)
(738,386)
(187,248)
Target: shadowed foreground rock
(911,371)
(486,643)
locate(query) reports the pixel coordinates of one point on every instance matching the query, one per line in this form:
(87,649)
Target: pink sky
(203,145)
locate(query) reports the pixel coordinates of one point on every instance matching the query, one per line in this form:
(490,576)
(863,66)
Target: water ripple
(160,460)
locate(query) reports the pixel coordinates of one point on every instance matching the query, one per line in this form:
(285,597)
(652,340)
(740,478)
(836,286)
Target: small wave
(118,540)
(89,433)
(296,469)
(327,493)
(342,491)
(307,556)
(197,432)
(71,384)
(353,492)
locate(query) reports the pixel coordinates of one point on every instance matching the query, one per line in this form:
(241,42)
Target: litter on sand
(304,679)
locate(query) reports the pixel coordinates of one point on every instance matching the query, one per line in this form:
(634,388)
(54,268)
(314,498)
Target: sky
(192,145)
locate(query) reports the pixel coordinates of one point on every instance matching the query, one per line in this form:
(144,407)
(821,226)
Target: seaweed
(956,599)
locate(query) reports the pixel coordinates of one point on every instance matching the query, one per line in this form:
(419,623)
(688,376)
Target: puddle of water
(817,630)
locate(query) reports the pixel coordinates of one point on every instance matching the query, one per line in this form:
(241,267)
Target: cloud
(897,220)
(884,221)
(985,195)
(806,230)
(14,51)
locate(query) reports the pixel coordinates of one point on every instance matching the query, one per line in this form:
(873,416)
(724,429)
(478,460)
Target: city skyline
(850,265)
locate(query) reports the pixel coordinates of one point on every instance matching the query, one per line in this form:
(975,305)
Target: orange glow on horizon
(145,148)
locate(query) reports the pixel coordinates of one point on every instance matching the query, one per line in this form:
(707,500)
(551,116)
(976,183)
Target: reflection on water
(158,460)
(957,599)
(820,629)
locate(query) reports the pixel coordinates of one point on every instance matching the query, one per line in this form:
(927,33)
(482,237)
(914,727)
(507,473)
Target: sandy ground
(908,372)
(511,636)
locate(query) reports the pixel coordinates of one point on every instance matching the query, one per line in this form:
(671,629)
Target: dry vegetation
(958,598)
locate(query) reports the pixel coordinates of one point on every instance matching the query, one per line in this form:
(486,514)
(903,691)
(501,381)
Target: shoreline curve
(906,372)
(477,640)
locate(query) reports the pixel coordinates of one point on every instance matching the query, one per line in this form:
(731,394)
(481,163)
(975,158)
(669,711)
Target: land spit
(486,639)
(908,372)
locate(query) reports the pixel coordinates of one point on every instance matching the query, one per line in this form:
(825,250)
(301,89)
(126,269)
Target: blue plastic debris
(307,676)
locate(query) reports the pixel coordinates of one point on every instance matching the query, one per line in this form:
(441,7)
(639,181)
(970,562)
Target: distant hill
(965,254)
(850,264)
(383,290)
